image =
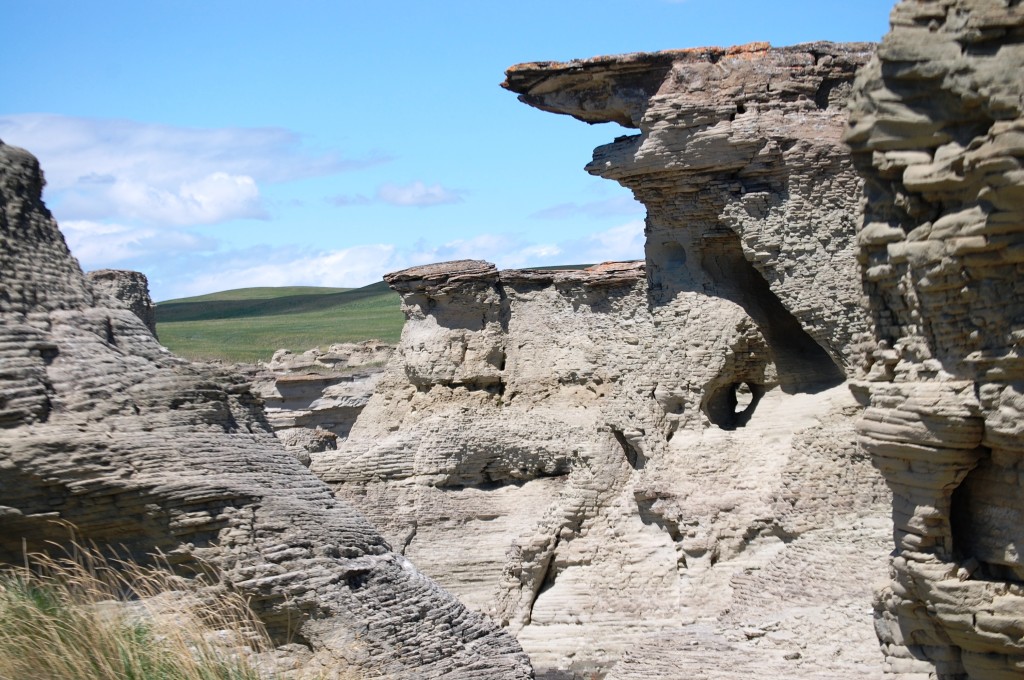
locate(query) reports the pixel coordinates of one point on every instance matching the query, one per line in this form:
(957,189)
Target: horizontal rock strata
(750,194)
(103,429)
(130,289)
(313,399)
(655,455)
(937,129)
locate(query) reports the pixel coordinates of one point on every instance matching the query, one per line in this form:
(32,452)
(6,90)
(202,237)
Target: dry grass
(84,617)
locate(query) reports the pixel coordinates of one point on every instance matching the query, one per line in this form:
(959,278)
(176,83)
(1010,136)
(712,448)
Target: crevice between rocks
(803,365)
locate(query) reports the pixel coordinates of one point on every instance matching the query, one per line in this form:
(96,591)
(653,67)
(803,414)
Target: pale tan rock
(936,130)
(128,287)
(338,357)
(654,456)
(313,399)
(102,428)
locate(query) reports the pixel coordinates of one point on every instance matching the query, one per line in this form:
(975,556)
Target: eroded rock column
(938,133)
(751,196)
(130,289)
(650,470)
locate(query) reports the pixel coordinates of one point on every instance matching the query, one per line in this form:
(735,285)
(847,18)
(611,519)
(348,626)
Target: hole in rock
(108,329)
(991,545)
(356,579)
(732,405)
(825,96)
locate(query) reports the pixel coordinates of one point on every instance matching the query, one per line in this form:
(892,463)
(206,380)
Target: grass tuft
(85,617)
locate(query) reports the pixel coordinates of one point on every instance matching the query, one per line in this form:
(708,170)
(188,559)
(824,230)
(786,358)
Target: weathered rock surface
(750,194)
(649,470)
(128,287)
(313,399)
(366,355)
(937,129)
(103,428)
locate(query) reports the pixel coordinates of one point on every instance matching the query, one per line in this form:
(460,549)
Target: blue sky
(224,144)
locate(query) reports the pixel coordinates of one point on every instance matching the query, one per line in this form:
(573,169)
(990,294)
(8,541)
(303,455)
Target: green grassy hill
(249,324)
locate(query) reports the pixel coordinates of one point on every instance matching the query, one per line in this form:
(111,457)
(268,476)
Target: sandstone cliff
(654,457)
(102,428)
(937,128)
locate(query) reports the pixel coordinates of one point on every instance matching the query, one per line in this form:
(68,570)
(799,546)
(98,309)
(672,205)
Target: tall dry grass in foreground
(84,617)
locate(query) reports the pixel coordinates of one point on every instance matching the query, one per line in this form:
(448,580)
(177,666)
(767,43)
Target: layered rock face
(129,288)
(102,428)
(313,399)
(653,457)
(938,132)
(750,194)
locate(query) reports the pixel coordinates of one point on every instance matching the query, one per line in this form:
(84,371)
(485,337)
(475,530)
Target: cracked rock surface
(312,399)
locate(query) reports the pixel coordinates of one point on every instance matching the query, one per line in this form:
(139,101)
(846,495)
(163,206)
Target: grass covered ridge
(249,324)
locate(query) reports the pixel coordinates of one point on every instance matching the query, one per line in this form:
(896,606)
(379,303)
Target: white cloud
(346,268)
(162,174)
(618,205)
(417,194)
(624,242)
(365,264)
(218,197)
(101,245)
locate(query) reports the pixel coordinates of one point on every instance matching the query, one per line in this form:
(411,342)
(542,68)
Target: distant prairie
(250,324)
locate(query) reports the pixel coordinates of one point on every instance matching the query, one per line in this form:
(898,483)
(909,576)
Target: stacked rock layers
(638,454)
(937,130)
(103,429)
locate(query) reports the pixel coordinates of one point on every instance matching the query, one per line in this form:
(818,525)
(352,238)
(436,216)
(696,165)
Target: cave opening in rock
(732,405)
(803,365)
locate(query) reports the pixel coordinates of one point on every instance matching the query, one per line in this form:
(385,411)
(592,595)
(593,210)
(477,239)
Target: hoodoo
(937,129)
(649,469)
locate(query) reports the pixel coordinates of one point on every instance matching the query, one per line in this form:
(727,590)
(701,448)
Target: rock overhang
(618,88)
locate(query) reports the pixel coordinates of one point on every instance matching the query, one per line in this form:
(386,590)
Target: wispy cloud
(217,197)
(618,205)
(416,194)
(158,175)
(347,267)
(342,200)
(624,242)
(100,245)
(364,264)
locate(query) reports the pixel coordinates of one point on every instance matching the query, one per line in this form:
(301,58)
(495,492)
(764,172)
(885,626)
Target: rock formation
(342,356)
(656,457)
(128,287)
(102,428)
(313,399)
(937,129)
